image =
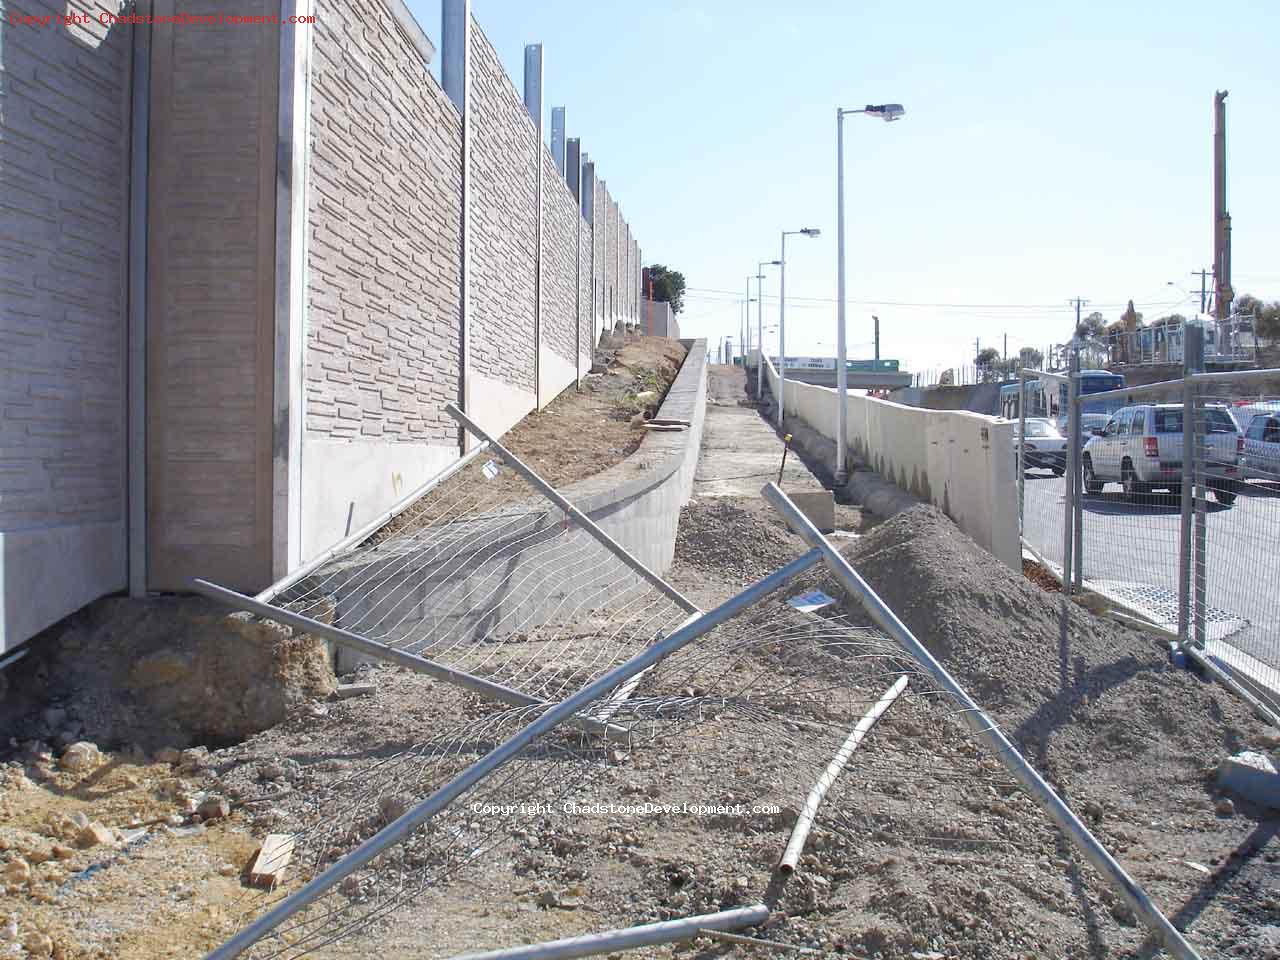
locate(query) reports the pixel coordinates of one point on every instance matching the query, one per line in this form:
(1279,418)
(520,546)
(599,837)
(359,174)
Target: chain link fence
(1168,507)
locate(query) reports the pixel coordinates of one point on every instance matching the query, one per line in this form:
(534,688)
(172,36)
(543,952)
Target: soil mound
(162,672)
(1108,694)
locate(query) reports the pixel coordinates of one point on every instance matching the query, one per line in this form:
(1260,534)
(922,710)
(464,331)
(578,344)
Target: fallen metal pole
(398,830)
(405,502)
(628,938)
(804,822)
(986,730)
(353,641)
(580,518)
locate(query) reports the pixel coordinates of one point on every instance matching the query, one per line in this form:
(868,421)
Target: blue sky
(1049,151)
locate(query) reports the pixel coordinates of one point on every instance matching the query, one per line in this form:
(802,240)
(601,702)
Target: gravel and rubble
(925,849)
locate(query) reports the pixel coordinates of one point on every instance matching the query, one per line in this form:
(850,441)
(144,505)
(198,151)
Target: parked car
(1043,447)
(1261,459)
(1141,448)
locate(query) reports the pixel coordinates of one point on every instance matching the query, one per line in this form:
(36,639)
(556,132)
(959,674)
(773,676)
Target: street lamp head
(887,111)
(811,231)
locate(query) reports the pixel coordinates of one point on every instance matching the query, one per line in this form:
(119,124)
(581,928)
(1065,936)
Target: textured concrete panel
(64,99)
(384,256)
(559,264)
(503,222)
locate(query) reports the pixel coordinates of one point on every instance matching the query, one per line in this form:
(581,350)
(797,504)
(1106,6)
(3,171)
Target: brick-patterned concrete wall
(612,305)
(584,286)
(384,245)
(64,163)
(559,263)
(600,227)
(503,222)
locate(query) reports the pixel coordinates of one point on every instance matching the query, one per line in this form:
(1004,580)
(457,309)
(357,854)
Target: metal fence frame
(1192,576)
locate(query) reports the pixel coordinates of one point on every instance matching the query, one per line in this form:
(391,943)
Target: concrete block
(1253,776)
(818,505)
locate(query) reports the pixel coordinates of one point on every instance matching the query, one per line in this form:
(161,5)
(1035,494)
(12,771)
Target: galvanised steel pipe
(394,832)
(432,668)
(580,518)
(804,822)
(628,938)
(405,502)
(986,730)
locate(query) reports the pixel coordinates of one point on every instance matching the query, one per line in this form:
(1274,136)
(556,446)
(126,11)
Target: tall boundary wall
(960,462)
(229,400)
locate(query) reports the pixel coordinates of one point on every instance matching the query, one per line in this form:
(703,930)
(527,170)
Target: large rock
(1252,776)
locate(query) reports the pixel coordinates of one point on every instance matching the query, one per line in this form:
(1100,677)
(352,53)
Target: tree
(1267,323)
(667,286)
(1247,305)
(1030,357)
(1091,327)
(988,360)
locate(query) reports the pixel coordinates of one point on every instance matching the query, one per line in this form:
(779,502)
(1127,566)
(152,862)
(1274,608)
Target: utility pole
(1006,348)
(877,328)
(1222,292)
(1204,276)
(1078,304)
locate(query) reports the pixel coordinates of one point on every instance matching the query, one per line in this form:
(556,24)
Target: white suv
(1141,448)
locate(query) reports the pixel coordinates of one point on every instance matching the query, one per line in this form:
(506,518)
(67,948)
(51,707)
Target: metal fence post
(1022,433)
(1076,484)
(1199,569)
(1192,363)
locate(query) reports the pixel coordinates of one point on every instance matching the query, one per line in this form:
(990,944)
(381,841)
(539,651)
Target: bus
(1093,381)
(1043,401)
(1010,403)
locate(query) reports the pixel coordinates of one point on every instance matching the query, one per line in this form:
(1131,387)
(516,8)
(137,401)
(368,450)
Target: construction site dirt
(925,849)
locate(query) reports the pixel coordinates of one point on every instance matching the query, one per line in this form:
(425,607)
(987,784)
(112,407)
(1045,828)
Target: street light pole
(782,319)
(887,112)
(760,324)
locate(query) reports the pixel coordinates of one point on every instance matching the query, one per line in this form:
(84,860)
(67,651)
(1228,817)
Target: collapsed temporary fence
(1170,509)
(552,640)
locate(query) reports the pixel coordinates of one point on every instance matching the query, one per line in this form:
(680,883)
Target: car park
(1043,447)
(1141,449)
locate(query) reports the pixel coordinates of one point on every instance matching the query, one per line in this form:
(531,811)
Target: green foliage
(1091,327)
(668,286)
(1266,316)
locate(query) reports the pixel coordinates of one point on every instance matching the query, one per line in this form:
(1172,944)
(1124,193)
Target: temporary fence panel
(494,576)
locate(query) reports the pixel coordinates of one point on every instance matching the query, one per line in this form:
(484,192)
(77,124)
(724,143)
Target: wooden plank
(271,860)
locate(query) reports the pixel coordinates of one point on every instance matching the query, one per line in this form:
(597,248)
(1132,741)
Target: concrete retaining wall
(961,462)
(533,574)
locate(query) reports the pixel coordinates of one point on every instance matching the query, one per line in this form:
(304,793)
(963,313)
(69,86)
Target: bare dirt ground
(580,433)
(925,850)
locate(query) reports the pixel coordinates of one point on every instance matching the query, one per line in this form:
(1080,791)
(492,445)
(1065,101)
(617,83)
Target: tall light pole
(760,323)
(782,317)
(887,112)
(747,322)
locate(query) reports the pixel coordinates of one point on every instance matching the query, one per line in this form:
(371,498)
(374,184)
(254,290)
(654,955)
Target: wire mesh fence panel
(1131,481)
(1235,527)
(486,576)
(727,739)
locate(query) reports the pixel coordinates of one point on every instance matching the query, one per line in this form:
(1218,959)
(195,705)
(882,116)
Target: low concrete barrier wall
(637,502)
(961,462)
